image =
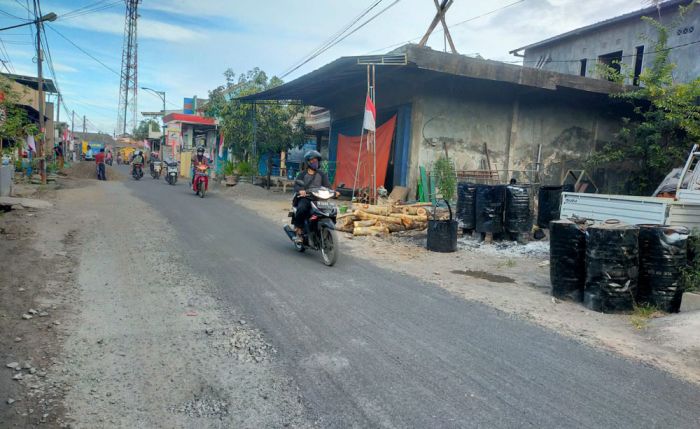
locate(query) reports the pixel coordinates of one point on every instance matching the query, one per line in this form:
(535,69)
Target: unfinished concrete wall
(565,56)
(512,129)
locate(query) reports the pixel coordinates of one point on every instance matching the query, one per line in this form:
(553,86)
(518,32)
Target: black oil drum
(466,207)
(490,205)
(548,205)
(663,256)
(567,259)
(518,217)
(612,267)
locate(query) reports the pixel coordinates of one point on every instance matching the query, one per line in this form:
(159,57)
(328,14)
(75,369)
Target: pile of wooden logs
(366,219)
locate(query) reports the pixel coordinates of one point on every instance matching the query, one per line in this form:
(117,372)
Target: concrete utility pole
(84,122)
(61,143)
(72,131)
(40,89)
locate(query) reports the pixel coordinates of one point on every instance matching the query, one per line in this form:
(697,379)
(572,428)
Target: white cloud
(113,23)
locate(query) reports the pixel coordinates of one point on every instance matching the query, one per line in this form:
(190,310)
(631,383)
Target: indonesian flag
(221,145)
(146,145)
(370,120)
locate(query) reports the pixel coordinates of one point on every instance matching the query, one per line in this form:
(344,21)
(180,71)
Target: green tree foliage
(445,180)
(665,126)
(141,132)
(279,126)
(15,124)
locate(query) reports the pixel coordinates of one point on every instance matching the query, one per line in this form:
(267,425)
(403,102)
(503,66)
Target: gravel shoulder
(514,279)
(131,337)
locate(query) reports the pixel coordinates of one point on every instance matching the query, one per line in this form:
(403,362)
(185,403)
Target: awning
(189,119)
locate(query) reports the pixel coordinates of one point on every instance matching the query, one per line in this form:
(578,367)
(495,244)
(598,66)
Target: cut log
(410,210)
(364,223)
(420,225)
(393,227)
(367,216)
(345,224)
(374,209)
(370,230)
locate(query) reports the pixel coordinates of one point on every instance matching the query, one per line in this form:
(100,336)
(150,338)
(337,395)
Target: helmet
(138,152)
(200,149)
(311,155)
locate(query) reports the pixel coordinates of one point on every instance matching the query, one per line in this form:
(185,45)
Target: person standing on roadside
(58,150)
(100,161)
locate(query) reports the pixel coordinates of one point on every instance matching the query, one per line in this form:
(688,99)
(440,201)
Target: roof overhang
(649,11)
(189,119)
(32,82)
(347,75)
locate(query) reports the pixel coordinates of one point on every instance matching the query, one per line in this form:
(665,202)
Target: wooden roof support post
(440,17)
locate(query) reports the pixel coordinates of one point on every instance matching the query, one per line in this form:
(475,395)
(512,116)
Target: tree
(141,132)
(15,124)
(666,122)
(280,126)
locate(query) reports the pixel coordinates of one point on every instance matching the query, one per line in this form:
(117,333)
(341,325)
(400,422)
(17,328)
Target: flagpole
(357,166)
(374,138)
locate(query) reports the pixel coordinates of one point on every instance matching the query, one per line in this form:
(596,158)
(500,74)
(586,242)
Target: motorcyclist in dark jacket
(311,177)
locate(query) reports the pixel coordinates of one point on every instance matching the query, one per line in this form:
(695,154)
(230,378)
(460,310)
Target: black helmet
(311,155)
(200,149)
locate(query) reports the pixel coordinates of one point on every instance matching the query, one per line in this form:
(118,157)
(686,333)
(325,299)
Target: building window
(612,61)
(584,63)
(638,60)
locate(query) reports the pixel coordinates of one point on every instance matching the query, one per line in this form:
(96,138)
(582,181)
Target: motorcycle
(137,172)
(200,184)
(171,173)
(319,230)
(155,169)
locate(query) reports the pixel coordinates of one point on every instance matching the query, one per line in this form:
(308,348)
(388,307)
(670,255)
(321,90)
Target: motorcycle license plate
(324,205)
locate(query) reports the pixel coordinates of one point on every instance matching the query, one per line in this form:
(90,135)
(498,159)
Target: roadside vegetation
(665,124)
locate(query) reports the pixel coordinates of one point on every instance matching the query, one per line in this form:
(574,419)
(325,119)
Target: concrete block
(7,173)
(690,302)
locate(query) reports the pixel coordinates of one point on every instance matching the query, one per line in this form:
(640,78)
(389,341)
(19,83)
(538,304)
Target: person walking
(100,161)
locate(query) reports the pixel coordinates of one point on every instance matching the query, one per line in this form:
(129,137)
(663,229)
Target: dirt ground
(515,279)
(121,338)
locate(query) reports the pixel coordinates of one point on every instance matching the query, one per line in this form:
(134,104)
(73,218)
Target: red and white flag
(31,143)
(370,120)
(146,145)
(221,145)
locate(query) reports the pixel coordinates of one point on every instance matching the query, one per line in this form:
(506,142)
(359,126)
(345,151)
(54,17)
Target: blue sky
(185,45)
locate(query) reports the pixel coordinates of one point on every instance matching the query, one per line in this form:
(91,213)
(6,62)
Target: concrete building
(452,102)
(627,39)
(27,89)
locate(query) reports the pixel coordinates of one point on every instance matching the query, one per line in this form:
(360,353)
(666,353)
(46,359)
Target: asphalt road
(370,348)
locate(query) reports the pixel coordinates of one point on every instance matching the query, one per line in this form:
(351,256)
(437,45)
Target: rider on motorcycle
(199,160)
(137,159)
(311,177)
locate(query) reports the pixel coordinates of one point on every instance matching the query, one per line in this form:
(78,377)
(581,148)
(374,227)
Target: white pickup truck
(684,210)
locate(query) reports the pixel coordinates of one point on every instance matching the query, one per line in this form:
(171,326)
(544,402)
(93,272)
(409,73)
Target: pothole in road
(495,278)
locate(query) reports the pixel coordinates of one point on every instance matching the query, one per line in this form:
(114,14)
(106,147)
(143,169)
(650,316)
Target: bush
(245,168)
(229,168)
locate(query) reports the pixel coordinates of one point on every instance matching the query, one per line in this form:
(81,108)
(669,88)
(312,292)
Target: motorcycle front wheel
(329,246)
(200,189)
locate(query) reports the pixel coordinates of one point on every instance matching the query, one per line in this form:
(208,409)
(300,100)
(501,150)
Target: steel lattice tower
(128,85)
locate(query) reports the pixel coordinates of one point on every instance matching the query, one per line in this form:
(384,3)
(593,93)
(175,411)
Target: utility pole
(84,122)
(40,89)
(72,131)
(61,143)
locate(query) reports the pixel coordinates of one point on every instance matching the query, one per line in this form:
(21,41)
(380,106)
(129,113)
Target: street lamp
(160,94)
(49,17)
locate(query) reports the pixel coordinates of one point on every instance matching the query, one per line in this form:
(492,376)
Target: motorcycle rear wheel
(329,246)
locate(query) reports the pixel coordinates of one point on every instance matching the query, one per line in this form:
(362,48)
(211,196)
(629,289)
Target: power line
(473,18)
(595,59)
(96,7)
(84,51)
(342,38)
(336,35)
